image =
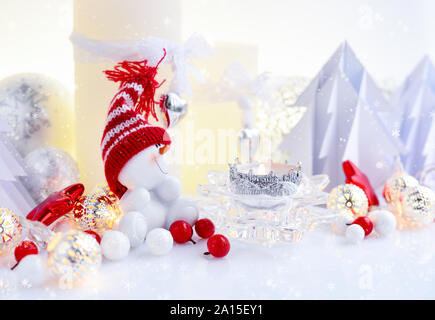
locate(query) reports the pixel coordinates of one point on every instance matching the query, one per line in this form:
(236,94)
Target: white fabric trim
(151,48)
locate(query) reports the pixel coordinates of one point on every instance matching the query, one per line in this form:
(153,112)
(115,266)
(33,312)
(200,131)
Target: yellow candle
(112,20)
(209,131)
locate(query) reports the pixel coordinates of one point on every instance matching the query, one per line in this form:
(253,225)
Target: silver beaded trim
(271,184)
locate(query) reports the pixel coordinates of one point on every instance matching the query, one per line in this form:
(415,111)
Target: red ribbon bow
(57,204)
(355,176)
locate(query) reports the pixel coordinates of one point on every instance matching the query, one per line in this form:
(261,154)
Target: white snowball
(134,225)
(182,209)
(343,220)
(155,215)
(134,200)
(384,222)
(32,269)
(169,190)
(114,245)
(159,241)
(355,233)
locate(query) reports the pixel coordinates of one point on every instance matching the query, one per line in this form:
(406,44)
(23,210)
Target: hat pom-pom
(141,73)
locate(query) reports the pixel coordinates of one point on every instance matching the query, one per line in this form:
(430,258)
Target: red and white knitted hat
(127,131)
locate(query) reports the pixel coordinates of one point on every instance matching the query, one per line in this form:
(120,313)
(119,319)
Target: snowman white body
(153,192)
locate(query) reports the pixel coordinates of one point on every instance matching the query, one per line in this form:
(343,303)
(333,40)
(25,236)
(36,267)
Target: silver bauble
(49,170)
(173,107)
(39,111)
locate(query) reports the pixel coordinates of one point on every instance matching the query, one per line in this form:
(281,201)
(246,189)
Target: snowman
(134,154)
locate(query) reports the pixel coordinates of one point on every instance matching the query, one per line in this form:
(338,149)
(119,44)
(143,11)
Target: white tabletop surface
(321,266)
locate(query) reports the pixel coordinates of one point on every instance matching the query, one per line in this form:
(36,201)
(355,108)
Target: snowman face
(147,169)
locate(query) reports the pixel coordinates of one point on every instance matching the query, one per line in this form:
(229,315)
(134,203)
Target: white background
(321,266)
(294,37)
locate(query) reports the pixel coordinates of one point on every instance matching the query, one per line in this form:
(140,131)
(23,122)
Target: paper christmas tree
(344,120)
(415,110)
(13,195)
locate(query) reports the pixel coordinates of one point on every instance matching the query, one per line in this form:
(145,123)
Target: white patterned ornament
(73,255)
(10,231)
(98,211)
(418,205)
(396,184)
(348,198)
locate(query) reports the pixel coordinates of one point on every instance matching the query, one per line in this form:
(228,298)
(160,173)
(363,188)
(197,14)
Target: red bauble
(355,176)
(365,223)
(94,234)
(181,231)
(57,204)
(218,246)
(204,228)
(25,248)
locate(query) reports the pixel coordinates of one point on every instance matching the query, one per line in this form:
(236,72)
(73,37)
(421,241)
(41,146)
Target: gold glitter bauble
(348,198)
(396,184)
(418,204)
(10,231)
(98,211)
(74,255)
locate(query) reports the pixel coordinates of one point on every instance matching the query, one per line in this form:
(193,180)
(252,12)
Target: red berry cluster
(217,244)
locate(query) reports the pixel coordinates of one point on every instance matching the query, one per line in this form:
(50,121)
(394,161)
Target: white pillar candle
(116,21)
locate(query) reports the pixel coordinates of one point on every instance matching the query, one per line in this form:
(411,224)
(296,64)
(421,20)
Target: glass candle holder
(263,202)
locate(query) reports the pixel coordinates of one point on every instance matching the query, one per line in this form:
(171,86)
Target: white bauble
(134,225)
(155,214)
(39,110)
(384,222)
(343,220)
(134,200)
(355,233)
(49,169)
(147,169)
(114,245)
(32,270)
(159,241)
(182,209)
(169,190)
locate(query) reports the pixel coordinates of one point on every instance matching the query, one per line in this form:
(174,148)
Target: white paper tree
(344,120)
(415,110)
(13,195)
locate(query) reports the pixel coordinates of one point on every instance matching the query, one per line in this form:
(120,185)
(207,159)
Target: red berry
(204,228)
(94,234)
(218,246)
(25,248)
(181,231)
(365,223)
